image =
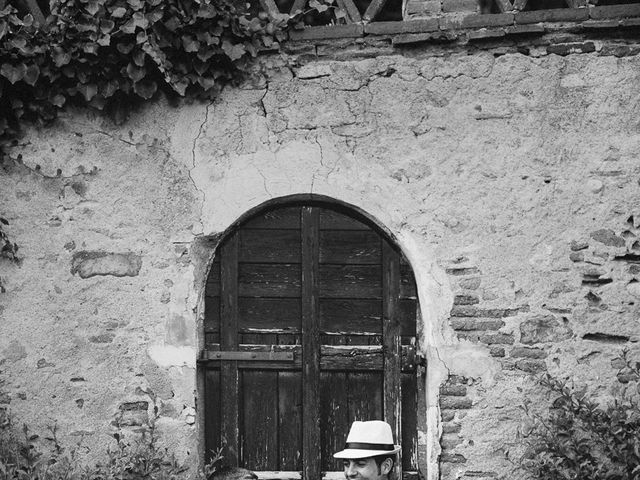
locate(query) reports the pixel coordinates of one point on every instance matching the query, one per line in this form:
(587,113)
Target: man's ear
(386,466)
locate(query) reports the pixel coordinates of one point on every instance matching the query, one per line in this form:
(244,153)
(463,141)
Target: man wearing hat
(369,453)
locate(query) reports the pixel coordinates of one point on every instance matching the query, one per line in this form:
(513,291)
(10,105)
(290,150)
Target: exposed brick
(630,22)
(451,427)
(524,29)
(409,26)
(472,323)
(409,38)
(496,338)
(621,50)
(464,311)
(554,15)
(455,403)
(577,246)
(128,406)
(608,237)
(323,33)
(530,365)
(89,264)
(598,24)
(497,351)
(486,33)
(615,11)
(453,390)
(488,20)
(564,49)
(576,256)
(527,352)
(465,300)
(447,415)
(452,458)
(469,283)
(459,6)
(457,271)
(450,441)
(543,328)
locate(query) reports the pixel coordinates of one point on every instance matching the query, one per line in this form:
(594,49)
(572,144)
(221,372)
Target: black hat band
(369,446)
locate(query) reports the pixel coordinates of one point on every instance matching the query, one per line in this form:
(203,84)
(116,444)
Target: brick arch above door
(310,323)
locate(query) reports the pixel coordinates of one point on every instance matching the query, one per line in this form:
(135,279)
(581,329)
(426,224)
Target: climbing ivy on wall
(112,54)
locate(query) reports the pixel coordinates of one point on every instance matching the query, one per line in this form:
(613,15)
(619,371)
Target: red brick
(453,390)
(527,352)
(458,271)
(615,11)
(554,15)
(569,48)
(531,366)
(524,29)
(465,300)
(471,323)
(328,32)
(409,26)
(464,311)
(409,38)
(452,458)
(455,403)
(597,24)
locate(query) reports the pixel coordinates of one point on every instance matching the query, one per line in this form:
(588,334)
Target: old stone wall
(510,181)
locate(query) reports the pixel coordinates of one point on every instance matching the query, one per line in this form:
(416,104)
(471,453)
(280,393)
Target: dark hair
(381,458)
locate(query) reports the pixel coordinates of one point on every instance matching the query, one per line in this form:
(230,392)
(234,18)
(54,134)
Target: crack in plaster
(193,160)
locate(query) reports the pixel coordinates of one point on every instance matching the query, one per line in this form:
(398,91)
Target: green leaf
(234,52)
(106,25)
(119,12)
(190,44)
(93,7)
(88,91)
(135,73)
(32,74)
(145,89)
(13,74)
(58,100)
(61,57)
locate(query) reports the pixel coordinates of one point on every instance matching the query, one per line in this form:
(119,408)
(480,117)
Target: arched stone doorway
(310,324)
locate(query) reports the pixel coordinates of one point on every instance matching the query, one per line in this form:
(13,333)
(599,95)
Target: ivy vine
(112,54)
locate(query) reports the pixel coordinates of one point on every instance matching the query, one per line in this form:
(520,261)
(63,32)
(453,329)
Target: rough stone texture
(90,264)
(491,170)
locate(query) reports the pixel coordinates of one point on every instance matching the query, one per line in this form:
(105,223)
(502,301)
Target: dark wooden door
(310,321)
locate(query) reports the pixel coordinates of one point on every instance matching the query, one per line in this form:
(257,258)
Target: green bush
(583,440)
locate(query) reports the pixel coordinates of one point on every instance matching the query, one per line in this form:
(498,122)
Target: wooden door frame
(391,406)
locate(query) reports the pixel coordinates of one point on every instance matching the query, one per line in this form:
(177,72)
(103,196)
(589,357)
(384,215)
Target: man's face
(364,469)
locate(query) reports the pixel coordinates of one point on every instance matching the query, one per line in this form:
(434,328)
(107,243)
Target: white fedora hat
(369,439)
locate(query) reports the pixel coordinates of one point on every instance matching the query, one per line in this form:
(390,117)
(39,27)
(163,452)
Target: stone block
(608,237)
(469,324)
(458,271)
(497,352)
(466,311)
(452,458)
(89,264)
(530,365)
(542,329)
(527,352)
(455,403)
(553,15)
(465,300)
(451,427)
(459,6)
(450,441)
(469,283)
(453,390)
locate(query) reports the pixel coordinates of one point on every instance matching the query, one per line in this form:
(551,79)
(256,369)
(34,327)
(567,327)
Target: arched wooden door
(310,324)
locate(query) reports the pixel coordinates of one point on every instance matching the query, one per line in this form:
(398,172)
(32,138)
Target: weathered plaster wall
(511,183)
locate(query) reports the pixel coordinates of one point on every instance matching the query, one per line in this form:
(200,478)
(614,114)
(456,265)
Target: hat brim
(357,453)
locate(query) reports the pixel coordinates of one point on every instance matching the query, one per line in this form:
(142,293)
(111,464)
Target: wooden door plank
(269,313)
(259,437)
(269,280)
(334,417)
(391,342)
(373,9)
(365,396)
(351,316)
(212,412)
(409,422)
(350,247)
(229,341)
(278,218)
(311,345)
(352,11)
(273,246)
(350,281)
(290,420)
(333,220)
